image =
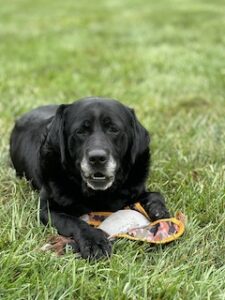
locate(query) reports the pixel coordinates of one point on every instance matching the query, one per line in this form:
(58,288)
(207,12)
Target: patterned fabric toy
(131,223)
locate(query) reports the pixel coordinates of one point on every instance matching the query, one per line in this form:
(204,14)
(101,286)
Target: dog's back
(26,139)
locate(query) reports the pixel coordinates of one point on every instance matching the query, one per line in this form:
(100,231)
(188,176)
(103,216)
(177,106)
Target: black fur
(47,146)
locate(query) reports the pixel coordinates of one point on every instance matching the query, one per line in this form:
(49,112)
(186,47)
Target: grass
(164,58)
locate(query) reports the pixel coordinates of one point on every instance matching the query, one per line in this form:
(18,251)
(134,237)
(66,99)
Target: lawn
(164,58)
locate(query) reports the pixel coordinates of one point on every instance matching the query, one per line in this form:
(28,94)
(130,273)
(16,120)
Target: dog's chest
(104,203)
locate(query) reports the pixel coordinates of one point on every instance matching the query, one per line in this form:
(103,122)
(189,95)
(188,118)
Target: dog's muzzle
(98,170)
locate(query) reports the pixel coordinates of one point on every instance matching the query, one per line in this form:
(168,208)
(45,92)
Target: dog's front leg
(91,242)
(155,206)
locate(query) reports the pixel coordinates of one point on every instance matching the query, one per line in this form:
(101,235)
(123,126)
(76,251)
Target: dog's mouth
(98,181)
(98,176)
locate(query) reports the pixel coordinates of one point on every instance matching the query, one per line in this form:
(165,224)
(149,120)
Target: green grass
(164,58)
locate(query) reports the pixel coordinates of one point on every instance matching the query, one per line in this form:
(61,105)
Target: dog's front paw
(156,208)
(93,243)
(158,212)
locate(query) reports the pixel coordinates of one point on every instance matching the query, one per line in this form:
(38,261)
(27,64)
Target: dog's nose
(97,157)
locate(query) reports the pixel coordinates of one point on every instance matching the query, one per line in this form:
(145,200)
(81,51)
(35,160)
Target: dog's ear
(57,132)
(140,136)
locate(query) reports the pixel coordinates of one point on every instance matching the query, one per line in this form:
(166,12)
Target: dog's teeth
(98,177)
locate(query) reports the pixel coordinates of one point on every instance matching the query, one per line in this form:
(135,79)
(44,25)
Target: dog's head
(96,138)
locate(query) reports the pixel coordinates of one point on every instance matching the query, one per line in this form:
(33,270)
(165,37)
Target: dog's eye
(84,129)
(81,131)
(113,129)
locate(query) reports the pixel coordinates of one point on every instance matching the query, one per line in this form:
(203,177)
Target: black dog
(92,155)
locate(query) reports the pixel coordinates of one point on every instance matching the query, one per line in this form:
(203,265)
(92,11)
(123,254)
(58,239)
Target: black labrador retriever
(91,155)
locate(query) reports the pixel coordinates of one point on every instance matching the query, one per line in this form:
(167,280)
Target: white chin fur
(99,188)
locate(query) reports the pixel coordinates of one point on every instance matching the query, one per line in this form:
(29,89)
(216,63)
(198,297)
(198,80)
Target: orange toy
(133,224)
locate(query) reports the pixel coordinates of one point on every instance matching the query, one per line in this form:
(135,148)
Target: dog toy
(133,224)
